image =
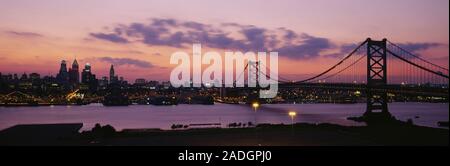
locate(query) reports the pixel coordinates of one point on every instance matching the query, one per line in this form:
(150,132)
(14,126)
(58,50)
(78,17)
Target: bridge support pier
(377,100)
(253,85)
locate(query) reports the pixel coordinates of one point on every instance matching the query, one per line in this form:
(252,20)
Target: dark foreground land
(264,135)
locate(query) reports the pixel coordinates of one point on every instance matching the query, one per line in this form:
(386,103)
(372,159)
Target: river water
(149,116)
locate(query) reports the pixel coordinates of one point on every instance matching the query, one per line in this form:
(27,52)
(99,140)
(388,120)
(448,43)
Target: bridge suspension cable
(280,79)
(411,68)
(340,71)
(415,56)
(334,66)
(416,65)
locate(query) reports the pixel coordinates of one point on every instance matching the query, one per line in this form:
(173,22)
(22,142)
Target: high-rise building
(74,74)
(112,77)
(86,75)
(87,67)
(111,73)
(63,75)
(88,80)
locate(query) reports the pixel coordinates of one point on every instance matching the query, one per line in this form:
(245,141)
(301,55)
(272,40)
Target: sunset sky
(138,36)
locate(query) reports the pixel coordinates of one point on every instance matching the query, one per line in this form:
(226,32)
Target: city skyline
(138,37)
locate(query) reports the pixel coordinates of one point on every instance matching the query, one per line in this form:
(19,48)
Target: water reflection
(144,116)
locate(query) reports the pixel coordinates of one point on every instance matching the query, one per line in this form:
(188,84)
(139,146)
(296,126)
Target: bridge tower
(376,79)
(223,91)
(253,77)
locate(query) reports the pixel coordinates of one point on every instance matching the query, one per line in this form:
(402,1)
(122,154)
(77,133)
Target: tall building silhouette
(88,79)
(74,74)
(86,75)
(63,75)
(112,77)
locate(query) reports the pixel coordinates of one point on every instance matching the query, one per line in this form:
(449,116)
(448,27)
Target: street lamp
(255,106)
(292,114)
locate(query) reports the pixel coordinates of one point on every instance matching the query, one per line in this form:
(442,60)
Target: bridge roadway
(416,90)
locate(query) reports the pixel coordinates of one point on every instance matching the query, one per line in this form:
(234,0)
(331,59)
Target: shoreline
(77,104)
(300,134)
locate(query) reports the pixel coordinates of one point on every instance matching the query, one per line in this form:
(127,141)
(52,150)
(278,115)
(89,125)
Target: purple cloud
(24,34)
(415,47)
(256,37)
(126,61)
(310,47)
(181,34)
(110,37)
(164,22)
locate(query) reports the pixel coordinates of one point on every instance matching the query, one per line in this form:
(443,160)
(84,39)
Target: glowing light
(292,113)
(255,105)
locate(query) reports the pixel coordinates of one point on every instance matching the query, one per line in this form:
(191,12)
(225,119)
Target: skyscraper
(74,74)
(87,67)
(111,73)
(86,75)
(63,75)
(112,77)
(88,79)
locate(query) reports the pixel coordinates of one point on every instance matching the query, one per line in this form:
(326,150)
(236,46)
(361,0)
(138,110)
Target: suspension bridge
(374,67)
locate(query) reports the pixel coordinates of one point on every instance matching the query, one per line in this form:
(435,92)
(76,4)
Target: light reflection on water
(148,116)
